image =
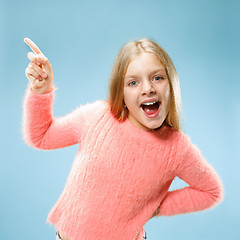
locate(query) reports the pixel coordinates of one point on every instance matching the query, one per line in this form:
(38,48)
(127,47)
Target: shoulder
(172,135)
(179,140)
(188,149)
(185,142)
(93,112)
(177,136)
(98,107)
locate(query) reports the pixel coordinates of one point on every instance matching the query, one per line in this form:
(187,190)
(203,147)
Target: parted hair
(116,84)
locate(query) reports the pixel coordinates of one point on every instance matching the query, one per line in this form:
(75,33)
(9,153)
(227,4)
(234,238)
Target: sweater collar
(136,132)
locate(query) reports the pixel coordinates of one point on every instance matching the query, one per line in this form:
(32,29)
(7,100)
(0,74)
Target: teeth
(149,103)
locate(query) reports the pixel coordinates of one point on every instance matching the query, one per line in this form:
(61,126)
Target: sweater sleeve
(205,188)
(43,131)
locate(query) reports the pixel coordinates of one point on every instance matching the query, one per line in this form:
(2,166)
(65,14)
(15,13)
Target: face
(146,91)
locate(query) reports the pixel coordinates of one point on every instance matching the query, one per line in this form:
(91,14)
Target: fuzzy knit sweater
(121,174)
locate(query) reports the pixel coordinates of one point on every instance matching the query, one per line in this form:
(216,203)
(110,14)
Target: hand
(39,71)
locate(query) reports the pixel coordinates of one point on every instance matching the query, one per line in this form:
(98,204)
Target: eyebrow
(153,72)
(158,70)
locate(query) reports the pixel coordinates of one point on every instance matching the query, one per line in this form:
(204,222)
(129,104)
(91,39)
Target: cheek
(127,99)
(129,96)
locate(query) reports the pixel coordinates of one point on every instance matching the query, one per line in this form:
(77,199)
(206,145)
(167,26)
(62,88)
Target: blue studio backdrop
(81,40)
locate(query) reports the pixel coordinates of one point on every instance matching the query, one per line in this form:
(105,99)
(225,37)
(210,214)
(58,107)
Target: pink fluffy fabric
(121,174)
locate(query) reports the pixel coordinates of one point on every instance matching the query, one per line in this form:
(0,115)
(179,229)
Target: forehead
(144,62)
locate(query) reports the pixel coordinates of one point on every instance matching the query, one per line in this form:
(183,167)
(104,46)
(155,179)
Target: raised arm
(40,129)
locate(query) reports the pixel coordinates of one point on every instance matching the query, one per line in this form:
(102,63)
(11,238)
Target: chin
(153,122)
(153,126)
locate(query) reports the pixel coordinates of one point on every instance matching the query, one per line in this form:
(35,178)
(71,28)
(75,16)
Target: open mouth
(151,108)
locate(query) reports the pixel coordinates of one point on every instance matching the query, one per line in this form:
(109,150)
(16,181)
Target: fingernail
(44,75)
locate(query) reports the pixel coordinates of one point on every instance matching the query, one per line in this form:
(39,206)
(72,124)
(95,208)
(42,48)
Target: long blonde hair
(125,56)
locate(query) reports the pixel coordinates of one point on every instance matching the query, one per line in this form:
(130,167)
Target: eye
(157,78)
(132,83)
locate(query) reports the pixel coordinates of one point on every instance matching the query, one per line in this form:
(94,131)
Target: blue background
(81,40)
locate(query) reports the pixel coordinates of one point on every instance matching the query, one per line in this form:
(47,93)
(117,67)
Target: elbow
(35,136)
(217,195)
(33,141)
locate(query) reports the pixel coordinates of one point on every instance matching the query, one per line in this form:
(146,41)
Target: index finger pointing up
(32,45)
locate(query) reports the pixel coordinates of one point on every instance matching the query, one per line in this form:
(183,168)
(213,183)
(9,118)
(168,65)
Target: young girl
(131,148)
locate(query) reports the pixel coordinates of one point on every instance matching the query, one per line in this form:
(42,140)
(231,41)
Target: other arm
(205,188)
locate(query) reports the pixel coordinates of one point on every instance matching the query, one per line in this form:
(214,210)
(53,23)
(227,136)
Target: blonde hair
(125,56)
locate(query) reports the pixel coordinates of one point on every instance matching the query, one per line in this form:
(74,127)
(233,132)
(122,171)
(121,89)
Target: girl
(131,148)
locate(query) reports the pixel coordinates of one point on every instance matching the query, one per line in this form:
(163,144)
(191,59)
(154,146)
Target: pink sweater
(121,174)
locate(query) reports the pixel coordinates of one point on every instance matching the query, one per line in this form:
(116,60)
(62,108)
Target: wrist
(41,90)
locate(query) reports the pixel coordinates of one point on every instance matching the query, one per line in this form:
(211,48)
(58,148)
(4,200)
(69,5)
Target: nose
(148,88)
